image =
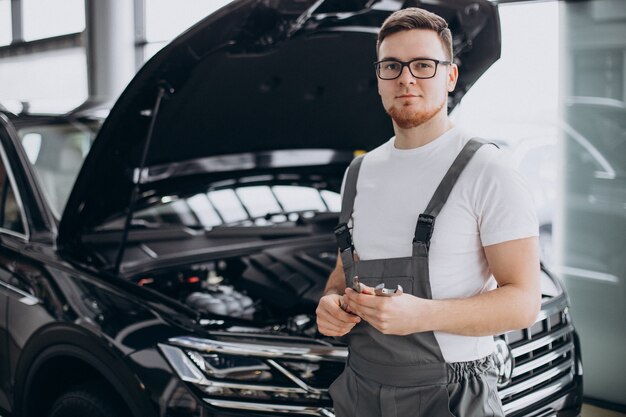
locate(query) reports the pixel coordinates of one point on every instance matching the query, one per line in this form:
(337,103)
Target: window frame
(18,200)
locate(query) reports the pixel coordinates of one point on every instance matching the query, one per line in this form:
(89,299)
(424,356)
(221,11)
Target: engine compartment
(276,288)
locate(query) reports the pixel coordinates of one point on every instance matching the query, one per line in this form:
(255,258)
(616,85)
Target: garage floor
(593,411)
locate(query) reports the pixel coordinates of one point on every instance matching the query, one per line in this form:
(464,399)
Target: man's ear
(453,76)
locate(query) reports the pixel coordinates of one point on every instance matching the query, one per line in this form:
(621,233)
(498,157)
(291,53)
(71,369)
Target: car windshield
(240,204)
(56,152)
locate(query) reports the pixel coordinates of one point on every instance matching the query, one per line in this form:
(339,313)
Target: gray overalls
(402,376)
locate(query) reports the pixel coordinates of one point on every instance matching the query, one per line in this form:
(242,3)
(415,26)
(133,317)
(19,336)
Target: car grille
(543,356)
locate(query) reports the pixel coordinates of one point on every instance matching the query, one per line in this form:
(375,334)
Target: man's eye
(392,66)
(423,65)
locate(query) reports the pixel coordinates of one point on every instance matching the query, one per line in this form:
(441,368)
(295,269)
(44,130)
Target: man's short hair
(416,18)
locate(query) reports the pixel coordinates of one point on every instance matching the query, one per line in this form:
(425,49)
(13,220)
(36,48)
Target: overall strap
(342,232)
(426,220)
(349,190)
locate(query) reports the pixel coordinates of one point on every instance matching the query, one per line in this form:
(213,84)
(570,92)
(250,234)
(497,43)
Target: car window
(295,198)
(250,205)
(228,205)
(259,200)
(10,214)
(56,152)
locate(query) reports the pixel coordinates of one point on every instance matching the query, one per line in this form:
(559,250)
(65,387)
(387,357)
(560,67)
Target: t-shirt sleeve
(505,206)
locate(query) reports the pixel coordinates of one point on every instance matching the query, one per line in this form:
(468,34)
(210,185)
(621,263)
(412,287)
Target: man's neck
(423,134)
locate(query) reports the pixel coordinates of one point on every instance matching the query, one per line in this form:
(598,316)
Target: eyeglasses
(390,69)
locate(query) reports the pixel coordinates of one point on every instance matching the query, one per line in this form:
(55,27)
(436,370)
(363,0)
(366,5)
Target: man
(468,270)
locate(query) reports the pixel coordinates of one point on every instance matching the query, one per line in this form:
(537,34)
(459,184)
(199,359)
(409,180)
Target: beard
(406,117)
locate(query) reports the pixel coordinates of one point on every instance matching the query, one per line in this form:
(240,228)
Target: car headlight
(234,368)
(243,372)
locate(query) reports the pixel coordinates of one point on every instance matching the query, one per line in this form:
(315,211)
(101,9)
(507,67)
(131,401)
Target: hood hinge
(303,18)
(310,19)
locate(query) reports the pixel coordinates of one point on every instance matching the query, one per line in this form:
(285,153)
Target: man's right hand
(332,320)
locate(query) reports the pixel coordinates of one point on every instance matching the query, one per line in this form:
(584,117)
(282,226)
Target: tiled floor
(592,411)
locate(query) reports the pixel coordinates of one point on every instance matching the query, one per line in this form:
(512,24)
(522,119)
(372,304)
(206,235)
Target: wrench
(387,292)
(378,290)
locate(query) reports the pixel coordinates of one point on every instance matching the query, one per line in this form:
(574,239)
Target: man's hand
(332,320)
(398,314)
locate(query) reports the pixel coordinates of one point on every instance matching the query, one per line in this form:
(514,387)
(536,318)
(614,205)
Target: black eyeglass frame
(408,65)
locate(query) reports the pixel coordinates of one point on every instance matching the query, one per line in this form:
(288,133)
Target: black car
(172,266)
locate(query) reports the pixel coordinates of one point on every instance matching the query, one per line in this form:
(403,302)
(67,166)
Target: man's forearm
(336,282)
(494,312)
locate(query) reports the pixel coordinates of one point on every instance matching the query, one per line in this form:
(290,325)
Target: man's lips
(407,96)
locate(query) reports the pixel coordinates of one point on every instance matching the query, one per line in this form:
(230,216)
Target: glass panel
(166,19)
(47,18)
(599,126)
(294,198)
(594,236)
(5,22)
(183,213)
(57,153)
(332,200)
(253,205)
(11,217)
(228,205)
(204,210)
(53,81)
(598,72)
(259,200)
(31,142)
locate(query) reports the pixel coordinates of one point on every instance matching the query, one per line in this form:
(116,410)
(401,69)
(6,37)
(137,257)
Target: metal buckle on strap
(424,229)
(344,240)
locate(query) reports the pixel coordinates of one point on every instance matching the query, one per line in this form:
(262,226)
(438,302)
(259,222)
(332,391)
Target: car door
(13,236)
(4,354)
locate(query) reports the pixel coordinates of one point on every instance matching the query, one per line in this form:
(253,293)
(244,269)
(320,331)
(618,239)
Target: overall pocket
(475,396)
(434,401)
(390,282)
(344,393)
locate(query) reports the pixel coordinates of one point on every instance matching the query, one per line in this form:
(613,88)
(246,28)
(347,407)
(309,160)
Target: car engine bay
(277,288)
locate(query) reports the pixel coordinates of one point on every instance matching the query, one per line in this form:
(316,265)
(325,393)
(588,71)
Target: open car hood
(255,77)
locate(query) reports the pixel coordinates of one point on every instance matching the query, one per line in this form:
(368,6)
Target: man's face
(408,100)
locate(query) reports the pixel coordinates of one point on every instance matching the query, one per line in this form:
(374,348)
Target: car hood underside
(252,78)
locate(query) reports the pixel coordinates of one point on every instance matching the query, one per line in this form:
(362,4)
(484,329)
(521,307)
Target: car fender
(64,342)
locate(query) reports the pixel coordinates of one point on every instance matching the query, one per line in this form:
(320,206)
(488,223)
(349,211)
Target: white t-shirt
(489,204)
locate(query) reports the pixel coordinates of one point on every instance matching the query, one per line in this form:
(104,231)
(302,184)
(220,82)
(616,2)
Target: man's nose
(405,76)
